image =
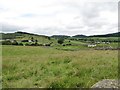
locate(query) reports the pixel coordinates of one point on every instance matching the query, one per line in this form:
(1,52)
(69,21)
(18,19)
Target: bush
(49,38)
(63,44)
(68,44)
(34,44)
(41,45)
(6,42)
(24,41)
(27,44)
(47,44)
(20,44)
(60,41)
(14,42)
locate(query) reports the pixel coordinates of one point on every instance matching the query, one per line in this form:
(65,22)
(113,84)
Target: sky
(59,17)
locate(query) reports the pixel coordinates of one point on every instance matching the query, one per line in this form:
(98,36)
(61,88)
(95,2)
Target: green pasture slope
(35,66)
(0,67)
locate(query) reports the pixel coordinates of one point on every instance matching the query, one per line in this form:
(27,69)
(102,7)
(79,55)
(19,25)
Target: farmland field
(40,66)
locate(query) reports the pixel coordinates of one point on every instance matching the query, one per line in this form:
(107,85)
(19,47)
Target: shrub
(14,42)
(49,38)
(24,41)
(27,44)
(41,45)
(20,44)
(34,44)
(63,44)
(68,44)
(47,44)
(60,41)
(6,42)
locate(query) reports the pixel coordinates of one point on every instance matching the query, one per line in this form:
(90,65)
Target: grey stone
(107,83)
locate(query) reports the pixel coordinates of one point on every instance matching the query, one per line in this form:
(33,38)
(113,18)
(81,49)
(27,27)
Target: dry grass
(47,67)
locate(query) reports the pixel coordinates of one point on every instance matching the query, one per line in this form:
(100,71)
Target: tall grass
(25,67)
(0,67)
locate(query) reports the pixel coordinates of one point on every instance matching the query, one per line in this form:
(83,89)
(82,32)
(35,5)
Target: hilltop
(23,35)
(107,35)
(117,34)
(19,35)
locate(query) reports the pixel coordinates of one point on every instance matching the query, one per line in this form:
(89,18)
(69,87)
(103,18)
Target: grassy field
(35,66)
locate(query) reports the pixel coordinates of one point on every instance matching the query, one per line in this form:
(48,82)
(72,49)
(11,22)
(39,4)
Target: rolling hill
(25,35)
(107,35)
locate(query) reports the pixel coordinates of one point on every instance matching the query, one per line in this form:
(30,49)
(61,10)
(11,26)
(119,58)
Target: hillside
(77,42)
(84,36)
(79,36)
(60,36)
(107,35)
(24,35)
(19,35)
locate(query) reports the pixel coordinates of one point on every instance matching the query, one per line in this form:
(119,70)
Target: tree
(60,41)
(49,38)
(36,41)
(32,39)
(6,42)
(14,42)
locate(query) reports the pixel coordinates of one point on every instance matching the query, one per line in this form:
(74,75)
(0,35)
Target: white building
(91,45)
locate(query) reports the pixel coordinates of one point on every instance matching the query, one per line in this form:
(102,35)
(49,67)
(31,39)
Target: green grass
(33,67)
(72,48)
(0,67)
(104,38)
(40,39)
(113,45)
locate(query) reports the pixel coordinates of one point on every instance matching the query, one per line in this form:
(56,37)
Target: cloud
(28,15)
(60,16)
(10,28)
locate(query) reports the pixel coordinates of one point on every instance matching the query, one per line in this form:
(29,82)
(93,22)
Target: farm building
(91,45)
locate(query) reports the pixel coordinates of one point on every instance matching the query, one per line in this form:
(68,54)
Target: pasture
(47,67)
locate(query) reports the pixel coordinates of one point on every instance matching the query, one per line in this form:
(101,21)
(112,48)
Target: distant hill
(79,36)
(19,35)
(107,35)
(60,36)
(25,35)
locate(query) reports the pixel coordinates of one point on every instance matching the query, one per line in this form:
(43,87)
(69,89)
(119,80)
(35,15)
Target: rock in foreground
(107,83)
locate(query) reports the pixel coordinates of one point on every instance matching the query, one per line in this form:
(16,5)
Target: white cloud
(61,16)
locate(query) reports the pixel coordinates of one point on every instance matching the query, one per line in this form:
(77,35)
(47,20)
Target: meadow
(48,67)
